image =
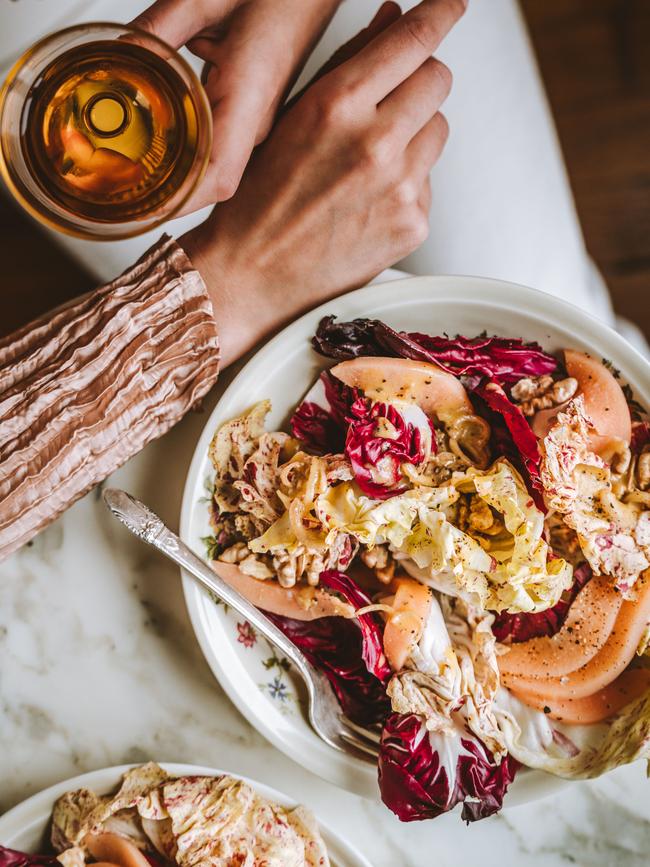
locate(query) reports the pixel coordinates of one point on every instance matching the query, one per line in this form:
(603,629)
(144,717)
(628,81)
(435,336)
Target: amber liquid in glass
(109,131)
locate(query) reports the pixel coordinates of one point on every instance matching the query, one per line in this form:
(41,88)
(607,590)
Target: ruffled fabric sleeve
(88,385)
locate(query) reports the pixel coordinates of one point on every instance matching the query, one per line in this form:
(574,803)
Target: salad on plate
(155,820)
(457,532)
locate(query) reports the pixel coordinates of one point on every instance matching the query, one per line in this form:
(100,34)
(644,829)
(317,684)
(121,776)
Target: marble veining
(99,666)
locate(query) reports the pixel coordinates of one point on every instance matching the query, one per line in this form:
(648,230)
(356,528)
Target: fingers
(238,126)
(402,48)
(414,102)
(244,83)
(387,13)
(251,66)
(411,196)
(424,150)
(176,21)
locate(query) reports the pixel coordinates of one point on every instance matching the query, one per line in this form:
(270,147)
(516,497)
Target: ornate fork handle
(147,526)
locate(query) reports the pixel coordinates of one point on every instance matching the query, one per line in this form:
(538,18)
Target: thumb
(176,21)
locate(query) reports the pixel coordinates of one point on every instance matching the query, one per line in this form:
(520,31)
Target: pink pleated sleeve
(85,387)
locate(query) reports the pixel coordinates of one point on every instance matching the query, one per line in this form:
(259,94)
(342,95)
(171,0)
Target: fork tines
(364,739)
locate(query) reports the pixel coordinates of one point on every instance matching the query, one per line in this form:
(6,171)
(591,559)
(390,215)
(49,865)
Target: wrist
(238,301)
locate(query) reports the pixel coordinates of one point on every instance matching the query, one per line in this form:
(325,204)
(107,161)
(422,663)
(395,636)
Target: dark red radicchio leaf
(334,646)
(323,429)
(502,359)
(349,652)
(339,397)
(371,627)
(416,784)
(14,858)
(513,437)
(376,460)
(522,627)
(314,427)
(640,436)
(346,339)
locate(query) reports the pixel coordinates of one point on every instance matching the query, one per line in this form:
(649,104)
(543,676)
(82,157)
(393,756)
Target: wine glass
(105,131)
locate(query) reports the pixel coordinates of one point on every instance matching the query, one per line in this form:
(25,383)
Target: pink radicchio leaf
(415,783)
(513,437)
(322,429)
(14,858)
(376,460)
(349,652)
(522,627)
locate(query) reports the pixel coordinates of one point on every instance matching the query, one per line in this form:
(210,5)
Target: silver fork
(325,713)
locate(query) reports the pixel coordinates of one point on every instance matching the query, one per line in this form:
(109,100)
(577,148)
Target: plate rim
(494,292)
(17,819)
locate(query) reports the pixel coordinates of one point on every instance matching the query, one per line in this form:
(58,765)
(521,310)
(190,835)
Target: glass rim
(86,228)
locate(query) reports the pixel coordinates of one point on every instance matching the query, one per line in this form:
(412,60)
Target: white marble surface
(99,666)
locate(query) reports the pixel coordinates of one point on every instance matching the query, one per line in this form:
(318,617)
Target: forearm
(87,386)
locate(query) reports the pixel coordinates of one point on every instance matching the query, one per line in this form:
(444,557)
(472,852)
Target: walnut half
(380,560)
(643,471)
(542,392)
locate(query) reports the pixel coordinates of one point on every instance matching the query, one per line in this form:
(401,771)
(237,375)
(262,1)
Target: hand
(339,190)
(254,50)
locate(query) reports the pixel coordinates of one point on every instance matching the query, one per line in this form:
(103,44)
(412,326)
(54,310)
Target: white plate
(252,675)
(25,827)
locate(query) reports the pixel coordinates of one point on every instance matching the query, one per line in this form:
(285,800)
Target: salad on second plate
(157,820)
(457,532)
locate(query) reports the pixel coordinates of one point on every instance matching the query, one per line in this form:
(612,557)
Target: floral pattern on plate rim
(279,688)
